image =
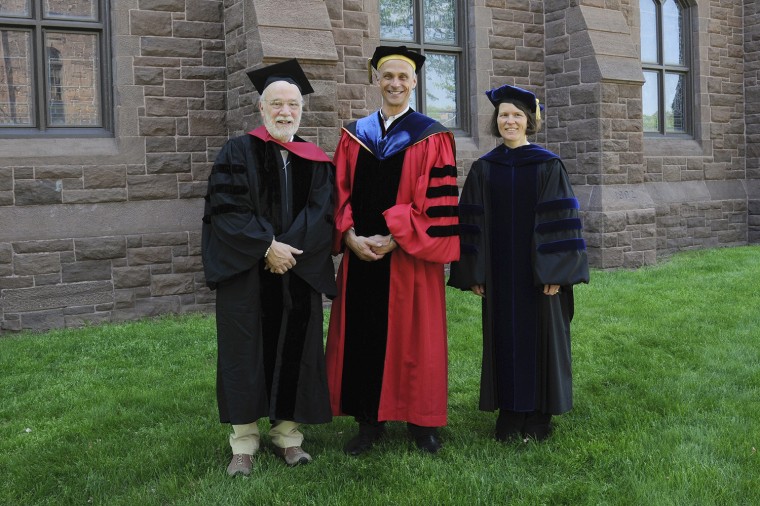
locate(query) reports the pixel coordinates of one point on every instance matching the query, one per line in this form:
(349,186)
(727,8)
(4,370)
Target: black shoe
(509,426)
(428,443)
(538,426)
(364,440)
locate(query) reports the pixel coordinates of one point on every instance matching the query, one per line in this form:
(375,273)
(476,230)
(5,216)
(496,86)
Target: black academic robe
(520,231)
(269,326)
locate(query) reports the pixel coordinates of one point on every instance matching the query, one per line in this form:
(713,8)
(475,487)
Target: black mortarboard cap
(507,92)
(288,70)
(383,52)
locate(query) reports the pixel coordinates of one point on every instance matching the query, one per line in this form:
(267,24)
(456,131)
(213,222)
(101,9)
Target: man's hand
(280,258)
(387,242)
(364,247)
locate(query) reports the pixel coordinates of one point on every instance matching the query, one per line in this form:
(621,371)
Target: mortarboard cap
(289,71)
(507,92)
(385,53)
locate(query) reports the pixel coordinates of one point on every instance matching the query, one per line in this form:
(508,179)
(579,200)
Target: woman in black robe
(522,252)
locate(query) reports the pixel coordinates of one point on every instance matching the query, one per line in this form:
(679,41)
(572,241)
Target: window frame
(37,25)
(459,49)
(662,69)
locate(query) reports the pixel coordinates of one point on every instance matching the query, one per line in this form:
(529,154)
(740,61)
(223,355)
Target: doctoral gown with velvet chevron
(386,346)
(521,231)
(269,326)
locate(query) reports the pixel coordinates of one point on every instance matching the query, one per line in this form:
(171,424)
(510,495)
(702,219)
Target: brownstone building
(111,114)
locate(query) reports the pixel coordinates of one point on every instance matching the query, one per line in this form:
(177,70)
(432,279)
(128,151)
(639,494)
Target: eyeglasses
(279,104)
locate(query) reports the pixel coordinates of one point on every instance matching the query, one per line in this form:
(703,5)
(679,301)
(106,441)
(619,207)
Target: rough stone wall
(108,229)
(752,111)
(697,186)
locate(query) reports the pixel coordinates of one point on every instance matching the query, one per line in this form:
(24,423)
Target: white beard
(281,132)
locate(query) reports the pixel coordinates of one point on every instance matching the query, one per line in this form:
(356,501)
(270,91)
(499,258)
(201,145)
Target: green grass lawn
(667,401)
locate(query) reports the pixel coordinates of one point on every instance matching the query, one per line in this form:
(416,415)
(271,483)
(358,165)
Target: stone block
(37,192)
(171,284)
(49,246)
(57,296)
(131,277)
(9,283)
(192,190)
(160,144)
(208,123)
(198,30)
(105,177)
(170,47)
(204,73)
(204,10)
(6,179)
(163,107)
(183,88)
(149,75)
(34,264)
(149,256)
(40,321)
(163,5)
(168,239)
(150,23)
(167,163)
(100,248)
(88,319)
(93,270)
(192,264)
(152,187)
(145,308)
(157,126)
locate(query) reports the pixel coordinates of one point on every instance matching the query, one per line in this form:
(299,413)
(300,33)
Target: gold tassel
(538,111)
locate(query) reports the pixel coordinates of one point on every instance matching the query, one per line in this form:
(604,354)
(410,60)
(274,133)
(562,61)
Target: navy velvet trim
(468,228)
(557,205)
(229,208)
(229,169)
(442,191)
(448,170)
(207,219)
(558,225)
(231,189)
(565,245)
(442,211)
(468,249)
(442,230)
(470,209)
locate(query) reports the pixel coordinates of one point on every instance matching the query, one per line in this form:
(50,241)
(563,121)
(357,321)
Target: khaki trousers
(246,439)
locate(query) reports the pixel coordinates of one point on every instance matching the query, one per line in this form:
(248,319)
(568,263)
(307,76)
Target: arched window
(665,60)
(435,28)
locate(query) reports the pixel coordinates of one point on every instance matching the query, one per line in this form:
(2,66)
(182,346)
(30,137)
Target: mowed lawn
(667,410)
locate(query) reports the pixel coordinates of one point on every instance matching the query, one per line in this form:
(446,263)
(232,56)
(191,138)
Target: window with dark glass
(665,62)
(434,28)
(53,67)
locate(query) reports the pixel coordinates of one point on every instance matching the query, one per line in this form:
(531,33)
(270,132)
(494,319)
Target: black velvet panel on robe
(269,326)
(374,189)
(520,230)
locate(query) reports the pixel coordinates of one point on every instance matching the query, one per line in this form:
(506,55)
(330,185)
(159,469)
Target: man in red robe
(397,224)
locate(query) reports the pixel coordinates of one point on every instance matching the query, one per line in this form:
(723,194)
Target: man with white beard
(267,230)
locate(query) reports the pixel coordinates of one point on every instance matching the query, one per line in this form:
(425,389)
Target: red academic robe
(415,377)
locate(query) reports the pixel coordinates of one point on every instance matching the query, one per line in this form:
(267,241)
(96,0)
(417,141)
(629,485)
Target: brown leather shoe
(240,464)
(292,455)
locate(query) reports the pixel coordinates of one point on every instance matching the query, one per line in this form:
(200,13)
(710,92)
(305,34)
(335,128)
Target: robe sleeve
(345,155)
(234,237)
(427,226)
(311,231)
(559,251)
(470,270)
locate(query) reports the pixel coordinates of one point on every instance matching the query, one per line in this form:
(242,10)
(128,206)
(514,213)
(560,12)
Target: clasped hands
(370,248)
(280,258)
